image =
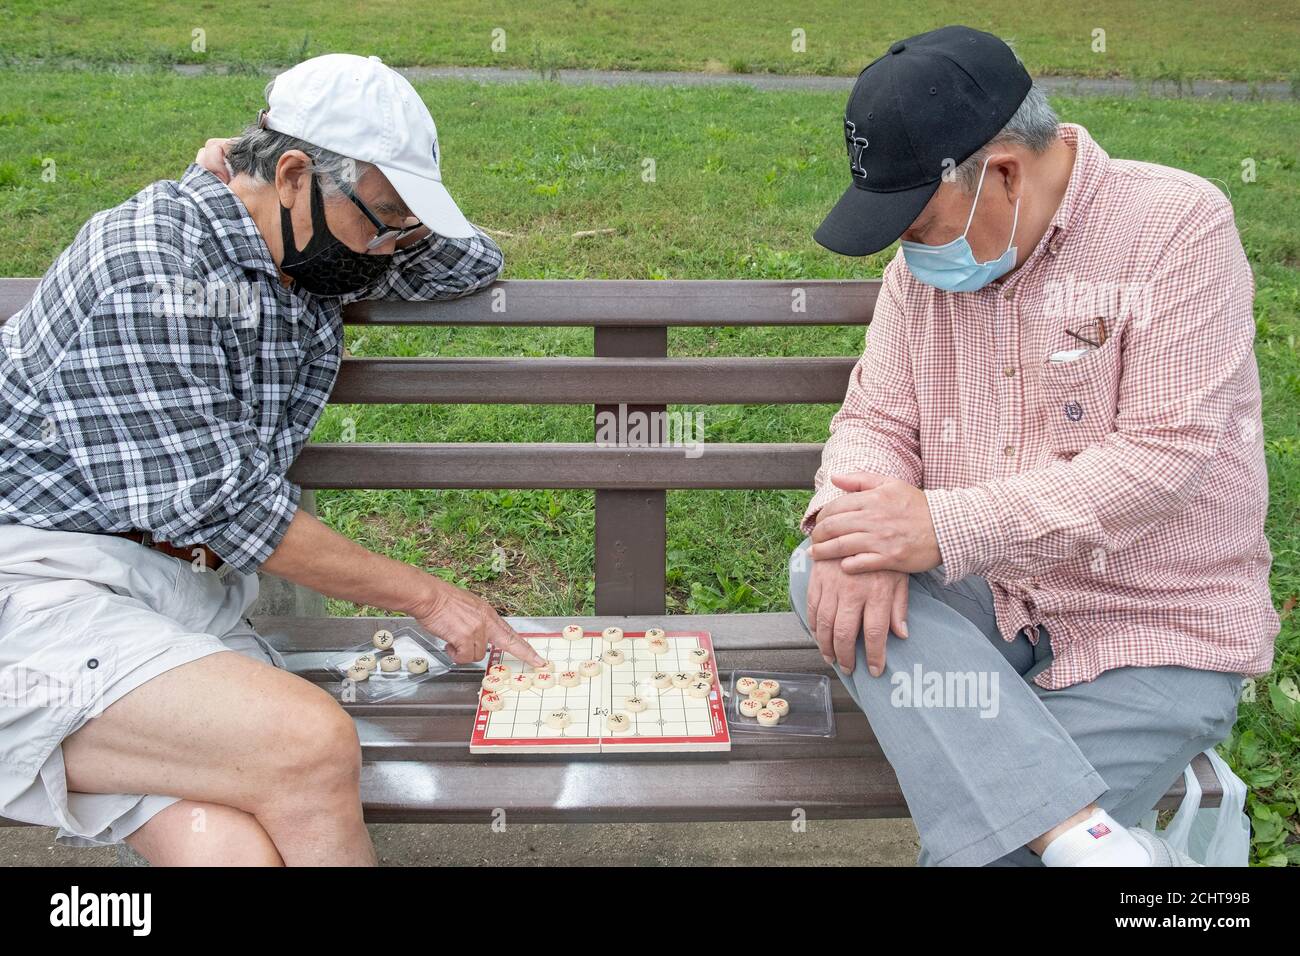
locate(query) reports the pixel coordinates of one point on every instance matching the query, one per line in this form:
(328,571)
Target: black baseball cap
(928,104)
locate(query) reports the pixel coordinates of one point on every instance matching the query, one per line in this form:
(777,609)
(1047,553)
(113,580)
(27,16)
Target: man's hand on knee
(841,604)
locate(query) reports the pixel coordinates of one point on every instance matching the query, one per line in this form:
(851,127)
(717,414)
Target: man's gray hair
(1033,126)
(256,152)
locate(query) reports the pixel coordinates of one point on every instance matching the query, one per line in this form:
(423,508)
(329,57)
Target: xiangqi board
(608,692)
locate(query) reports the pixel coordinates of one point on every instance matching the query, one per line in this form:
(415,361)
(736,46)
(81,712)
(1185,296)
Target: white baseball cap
(359,108)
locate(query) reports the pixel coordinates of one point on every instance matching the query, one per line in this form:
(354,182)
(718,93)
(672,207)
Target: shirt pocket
(1081,398)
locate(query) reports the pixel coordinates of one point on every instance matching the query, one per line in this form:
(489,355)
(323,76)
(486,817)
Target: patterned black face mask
(325,266)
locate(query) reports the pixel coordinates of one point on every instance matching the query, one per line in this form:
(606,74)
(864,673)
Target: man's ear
(292,174)
(1009,169)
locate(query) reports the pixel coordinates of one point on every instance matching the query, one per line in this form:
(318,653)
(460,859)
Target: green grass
(741,180)
(1174,40)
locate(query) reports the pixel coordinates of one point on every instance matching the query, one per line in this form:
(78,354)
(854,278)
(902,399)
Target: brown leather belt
(210,558)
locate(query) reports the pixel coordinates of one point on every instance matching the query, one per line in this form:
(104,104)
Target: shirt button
(1008,293)
(92,663)
(1009,371)
(1009,450)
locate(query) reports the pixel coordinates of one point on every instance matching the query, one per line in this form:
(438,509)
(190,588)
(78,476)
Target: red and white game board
(672,720)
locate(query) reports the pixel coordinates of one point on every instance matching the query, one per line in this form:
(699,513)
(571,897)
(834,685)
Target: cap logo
(856,145)
(435,152)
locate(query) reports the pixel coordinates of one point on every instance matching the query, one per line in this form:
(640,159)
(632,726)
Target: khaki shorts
(84,620)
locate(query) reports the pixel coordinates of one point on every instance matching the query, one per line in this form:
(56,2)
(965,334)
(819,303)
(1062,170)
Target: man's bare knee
(193,833)
(314,748)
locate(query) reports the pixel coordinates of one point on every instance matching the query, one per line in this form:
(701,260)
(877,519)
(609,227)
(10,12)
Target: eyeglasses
(1097,333)
(385,232)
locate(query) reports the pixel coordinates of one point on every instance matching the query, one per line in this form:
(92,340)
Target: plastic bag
(1213,836)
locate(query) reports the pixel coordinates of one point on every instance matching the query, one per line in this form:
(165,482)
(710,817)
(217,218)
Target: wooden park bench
(417,765)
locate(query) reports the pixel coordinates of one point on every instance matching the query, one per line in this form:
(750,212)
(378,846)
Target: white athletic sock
(1097,841)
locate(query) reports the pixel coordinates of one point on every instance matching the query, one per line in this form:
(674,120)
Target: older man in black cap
(1047,470)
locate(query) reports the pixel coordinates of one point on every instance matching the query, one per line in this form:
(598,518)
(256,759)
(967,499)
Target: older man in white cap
(153,394)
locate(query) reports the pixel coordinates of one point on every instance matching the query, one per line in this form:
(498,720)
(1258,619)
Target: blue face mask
(952,266)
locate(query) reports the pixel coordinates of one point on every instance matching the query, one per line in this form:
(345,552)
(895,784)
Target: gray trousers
(988,760)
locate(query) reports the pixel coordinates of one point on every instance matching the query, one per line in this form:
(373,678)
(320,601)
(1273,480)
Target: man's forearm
(315,556)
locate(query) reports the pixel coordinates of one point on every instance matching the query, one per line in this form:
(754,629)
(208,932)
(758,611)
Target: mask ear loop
(971,217)
(1015,218)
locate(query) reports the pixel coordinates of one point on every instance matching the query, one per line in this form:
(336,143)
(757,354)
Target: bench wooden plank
(443,736)
(624,791)
(639,302)
(598,302)
(592,381)
(601,302)
(774,629)
(554,465)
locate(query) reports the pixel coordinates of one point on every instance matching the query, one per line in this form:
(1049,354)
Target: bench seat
(418,767)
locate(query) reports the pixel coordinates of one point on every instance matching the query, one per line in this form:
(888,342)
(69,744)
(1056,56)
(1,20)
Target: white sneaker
(1162,852)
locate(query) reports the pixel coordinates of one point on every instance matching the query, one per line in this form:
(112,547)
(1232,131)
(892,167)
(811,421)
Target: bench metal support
(631,527)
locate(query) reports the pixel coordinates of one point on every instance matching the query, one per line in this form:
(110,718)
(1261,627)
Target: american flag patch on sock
(1099,831)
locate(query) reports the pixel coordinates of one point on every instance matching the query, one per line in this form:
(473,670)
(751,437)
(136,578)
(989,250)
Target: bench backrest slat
(591,381)
(638,302)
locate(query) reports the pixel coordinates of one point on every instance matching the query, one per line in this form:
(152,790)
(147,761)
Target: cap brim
(864,222)
(430,202)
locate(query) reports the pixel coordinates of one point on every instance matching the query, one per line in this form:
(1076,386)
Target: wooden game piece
(521,682)
(501,669)
(697,656)
(613,634)
(417,665)
(492,702)
(654,634)
(771,686)
(661,680)
(746,685)
(750,707)
(619,723)
(706,676)
(558,719)
(496,682)
(543,681)
(760,695)
(635,704)
(698,688)
(569,679)
(657,645)
(358,674)
(390,663)
(590,668)
(572,632)
(368,661)
(383,640)
(613,657)
(780,705)
(768,718)
(681,679)
(545,667)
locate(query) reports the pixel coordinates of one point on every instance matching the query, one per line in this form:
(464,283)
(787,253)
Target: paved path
(1064,85)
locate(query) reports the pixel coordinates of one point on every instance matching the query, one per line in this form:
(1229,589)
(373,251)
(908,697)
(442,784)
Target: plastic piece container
(809,696)
(408,642)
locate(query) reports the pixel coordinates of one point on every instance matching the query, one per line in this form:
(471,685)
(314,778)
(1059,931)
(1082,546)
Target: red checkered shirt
(1117,499)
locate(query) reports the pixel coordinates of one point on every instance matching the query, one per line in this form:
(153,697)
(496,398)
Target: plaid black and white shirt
(162,378)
